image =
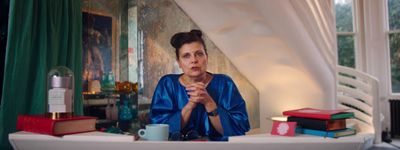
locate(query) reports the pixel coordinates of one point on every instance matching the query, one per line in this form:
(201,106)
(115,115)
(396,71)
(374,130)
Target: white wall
(268,44)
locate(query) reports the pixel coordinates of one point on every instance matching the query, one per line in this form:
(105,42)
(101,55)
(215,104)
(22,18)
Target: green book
(343,115)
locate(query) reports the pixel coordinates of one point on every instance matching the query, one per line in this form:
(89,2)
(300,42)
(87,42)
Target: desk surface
(300,138)
(98,141)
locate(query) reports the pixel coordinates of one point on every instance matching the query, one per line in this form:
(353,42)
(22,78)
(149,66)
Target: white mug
(155,132)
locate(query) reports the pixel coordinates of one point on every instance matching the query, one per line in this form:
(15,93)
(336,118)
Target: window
(346,34)
(394,42)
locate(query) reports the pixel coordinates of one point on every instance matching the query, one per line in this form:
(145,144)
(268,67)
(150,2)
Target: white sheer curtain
(319,21)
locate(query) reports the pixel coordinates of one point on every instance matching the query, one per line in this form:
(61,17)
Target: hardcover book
(319,124)
(320,113)
(332,134)
(61,126)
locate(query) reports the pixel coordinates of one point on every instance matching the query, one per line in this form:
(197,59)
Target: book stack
(326,123)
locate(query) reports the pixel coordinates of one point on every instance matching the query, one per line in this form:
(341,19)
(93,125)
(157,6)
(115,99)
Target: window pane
(344,15)
(346,51)
(394,41)
(394,14)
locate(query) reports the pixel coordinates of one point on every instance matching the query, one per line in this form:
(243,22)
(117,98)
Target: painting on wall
(98,38)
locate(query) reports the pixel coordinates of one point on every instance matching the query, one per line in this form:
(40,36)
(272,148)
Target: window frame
(390,92)
(357,33)
(370,52)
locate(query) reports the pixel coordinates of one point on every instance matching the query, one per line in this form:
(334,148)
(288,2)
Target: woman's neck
(189,80)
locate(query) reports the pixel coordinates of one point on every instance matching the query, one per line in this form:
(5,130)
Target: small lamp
(279,118)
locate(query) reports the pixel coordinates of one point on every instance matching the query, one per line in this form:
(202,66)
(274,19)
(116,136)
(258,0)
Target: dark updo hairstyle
(181,38)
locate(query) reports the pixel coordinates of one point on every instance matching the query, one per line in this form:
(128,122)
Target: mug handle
(142,133)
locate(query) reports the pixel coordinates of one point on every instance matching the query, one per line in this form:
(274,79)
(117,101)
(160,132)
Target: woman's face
(193,59)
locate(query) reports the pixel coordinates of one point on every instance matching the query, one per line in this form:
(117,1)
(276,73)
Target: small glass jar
(60,92)
(108,83)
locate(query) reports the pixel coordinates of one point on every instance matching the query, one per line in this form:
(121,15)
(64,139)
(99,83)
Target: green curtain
(42,34)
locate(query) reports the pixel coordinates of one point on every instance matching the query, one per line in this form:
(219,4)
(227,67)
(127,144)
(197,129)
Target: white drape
(319,21)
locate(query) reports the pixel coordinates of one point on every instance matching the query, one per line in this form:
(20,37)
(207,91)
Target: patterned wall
(158,21)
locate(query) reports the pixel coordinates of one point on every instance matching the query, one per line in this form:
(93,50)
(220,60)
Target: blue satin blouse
(170,96)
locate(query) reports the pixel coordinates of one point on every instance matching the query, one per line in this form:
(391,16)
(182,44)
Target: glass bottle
(125,116)
(108,83)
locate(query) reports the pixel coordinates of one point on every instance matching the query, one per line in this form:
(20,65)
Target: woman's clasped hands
(198,95)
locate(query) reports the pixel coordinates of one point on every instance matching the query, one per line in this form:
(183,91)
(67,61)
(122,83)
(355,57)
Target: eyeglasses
(190,135)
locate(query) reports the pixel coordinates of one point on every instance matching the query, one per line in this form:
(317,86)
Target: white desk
(99,141)
(358,141)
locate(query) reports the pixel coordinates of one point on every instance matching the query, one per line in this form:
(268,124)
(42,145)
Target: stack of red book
(320,122)
(61,126)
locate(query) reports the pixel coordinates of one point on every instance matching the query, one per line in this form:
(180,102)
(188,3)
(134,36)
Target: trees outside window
(394,42)
(346,32)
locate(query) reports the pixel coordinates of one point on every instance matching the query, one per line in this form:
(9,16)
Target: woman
(208,104)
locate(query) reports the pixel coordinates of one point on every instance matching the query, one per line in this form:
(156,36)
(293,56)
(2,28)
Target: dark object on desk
(113,129)
(319,124)
(187,136)
(125,125)
(61,126)
(105,124)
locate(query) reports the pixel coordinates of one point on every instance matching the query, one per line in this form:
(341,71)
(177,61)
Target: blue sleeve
(232,110)
(163,106)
